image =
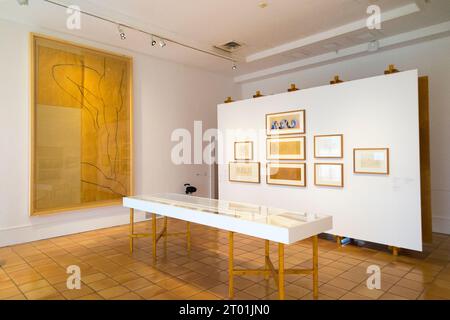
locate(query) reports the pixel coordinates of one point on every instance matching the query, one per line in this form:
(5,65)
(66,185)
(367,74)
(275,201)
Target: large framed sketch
(81,126)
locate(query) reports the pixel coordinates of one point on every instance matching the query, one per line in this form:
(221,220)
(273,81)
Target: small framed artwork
(329,174)
(243,150)
(329,146)
(292,122)
(289,148)
(371,160)
(244,172)
(286,174)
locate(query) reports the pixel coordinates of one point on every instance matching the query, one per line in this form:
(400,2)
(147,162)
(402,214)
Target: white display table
(270,224)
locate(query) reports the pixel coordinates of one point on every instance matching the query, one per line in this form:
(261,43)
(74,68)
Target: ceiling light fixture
(122,34)
(153,42)
(22,2)
(263,4)
(162,43)
(130,27)
(234,67)
(373,46)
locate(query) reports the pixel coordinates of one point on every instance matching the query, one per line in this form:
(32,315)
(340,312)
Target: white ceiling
(286,35)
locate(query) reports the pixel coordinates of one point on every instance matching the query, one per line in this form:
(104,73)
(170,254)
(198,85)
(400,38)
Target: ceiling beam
(441,29)
(351,27)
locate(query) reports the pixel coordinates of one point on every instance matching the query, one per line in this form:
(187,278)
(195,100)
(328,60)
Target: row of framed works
(293,148)
(365,161)
(287,174)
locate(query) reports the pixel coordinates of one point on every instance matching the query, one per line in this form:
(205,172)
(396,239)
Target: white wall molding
(42,228)
(347,28)
(406,38)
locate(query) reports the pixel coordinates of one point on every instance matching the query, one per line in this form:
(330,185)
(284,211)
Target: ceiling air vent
(231,46)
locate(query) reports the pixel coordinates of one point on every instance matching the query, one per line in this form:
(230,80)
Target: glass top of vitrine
(245,211)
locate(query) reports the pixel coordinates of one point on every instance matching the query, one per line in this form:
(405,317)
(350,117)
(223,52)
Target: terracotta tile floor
(38,270)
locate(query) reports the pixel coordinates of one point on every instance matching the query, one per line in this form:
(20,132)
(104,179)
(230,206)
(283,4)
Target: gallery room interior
(225,150)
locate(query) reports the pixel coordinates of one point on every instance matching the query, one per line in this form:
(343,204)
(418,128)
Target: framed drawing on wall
(371,160)
(244,172)
(286,174)
(292,122)
(329,146)
(329,174)
(288,148)
(243,150)
(81,127)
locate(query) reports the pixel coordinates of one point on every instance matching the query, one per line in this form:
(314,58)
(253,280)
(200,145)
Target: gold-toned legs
(154,236)
(269,269)
(338,240)
(131,229)
(188,236)
(267,258)
(231,264)
(315,267)
(395,251)
(133,235)
(281,271)
(165,227)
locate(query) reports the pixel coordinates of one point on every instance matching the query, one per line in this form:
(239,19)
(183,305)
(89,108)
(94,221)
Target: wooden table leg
(395,251)
(230,265)
(131,229)
(315,267)
(154,235)
(165,227)
(266,259)
(281,270)
(188,236)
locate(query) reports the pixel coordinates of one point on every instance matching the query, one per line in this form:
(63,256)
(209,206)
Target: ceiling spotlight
(234,67)
(153,42)
(373,46)
(22,2)
(263,4)
(122,34)
(162,43)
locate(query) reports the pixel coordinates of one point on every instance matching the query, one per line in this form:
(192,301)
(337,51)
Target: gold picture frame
(243,150)
(286,174)
(371,161)
(247,172)
(286,148)
(329,146)
(282,123)
(333,177)
(81,126)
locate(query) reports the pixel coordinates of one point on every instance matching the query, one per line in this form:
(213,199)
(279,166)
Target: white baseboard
(39,230)
(441,224)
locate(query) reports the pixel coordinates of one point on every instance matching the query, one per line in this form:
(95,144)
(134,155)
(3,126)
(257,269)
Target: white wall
(166,96)
(378,208)
(431,58)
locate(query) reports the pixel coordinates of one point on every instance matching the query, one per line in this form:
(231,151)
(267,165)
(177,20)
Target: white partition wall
(379,112)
